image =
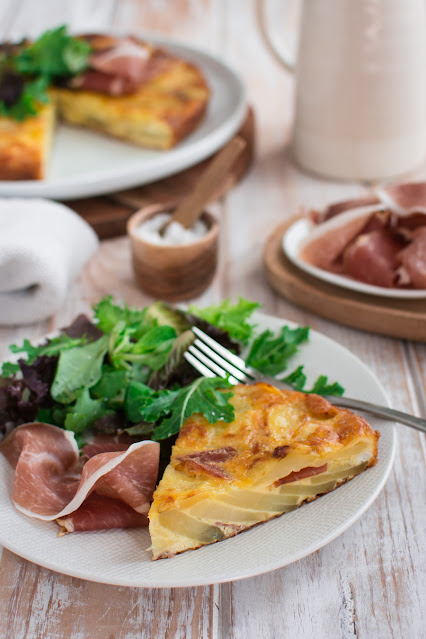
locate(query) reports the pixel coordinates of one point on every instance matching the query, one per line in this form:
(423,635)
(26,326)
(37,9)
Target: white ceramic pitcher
(360,87)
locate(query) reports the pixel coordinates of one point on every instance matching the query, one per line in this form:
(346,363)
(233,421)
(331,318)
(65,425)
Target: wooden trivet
(108,214)
(388,316)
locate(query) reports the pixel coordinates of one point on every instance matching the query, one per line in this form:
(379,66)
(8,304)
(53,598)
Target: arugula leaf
(78,368)
(297,379)
(202,396)
(54,54)
(137,397)
(52,347)
(9,369)
(232,318)
(269,354)
(322,387)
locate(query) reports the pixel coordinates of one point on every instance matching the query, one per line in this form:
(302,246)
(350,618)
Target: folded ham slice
(413,259)
(379,239)
(404,199)
(327,242)
(111,489)
(372,258)
(120,68)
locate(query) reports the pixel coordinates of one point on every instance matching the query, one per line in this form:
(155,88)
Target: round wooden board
(387,316)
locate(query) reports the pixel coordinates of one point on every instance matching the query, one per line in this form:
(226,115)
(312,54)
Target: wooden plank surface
(370,581)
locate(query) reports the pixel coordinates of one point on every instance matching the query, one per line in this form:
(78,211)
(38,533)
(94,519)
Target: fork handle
(380,411)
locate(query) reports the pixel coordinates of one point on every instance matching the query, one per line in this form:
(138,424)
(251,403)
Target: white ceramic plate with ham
(296,237)
(121,557)
(85,163)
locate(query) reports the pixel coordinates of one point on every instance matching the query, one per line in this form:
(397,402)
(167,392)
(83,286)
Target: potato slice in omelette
(284,448)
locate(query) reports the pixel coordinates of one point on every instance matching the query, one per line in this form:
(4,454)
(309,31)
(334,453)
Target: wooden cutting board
(108,214)
(387,316)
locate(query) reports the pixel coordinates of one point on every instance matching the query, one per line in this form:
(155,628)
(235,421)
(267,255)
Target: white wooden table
(370,582)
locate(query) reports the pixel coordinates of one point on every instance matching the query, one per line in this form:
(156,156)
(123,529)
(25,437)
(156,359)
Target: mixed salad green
(28,69)
(123,370)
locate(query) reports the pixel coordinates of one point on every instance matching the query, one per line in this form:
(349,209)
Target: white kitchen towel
(43,247)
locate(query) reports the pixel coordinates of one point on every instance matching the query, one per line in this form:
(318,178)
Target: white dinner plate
(294,239)
(85,163)
(120,556)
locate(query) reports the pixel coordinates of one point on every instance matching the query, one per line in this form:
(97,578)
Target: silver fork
(213,360)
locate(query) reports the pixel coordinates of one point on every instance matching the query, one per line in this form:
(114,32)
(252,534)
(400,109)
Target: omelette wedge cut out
(283,449)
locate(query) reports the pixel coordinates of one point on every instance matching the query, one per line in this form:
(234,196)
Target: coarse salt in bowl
(175,234)
(179,265)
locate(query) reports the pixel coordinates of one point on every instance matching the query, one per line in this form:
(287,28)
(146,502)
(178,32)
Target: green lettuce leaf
(33,94)
(107,315)
(162,314)
(230,317)
(150,350)
(54,54)
(78,368)
(174,363)
(84,412)
(111,387)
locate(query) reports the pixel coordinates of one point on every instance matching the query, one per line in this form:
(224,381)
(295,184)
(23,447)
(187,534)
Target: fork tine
(204,370)
(223,364)
(233,359)
(211,364)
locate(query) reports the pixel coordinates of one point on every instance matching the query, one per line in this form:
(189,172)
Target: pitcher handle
(284,58)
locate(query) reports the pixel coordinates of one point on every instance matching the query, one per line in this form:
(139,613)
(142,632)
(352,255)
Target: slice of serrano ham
(413,258)
(327,242)
(101,513)
(51,483)
(404,199)
(120,68)
(381,244)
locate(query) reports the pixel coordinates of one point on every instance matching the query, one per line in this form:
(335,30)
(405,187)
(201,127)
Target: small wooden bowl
(173,272)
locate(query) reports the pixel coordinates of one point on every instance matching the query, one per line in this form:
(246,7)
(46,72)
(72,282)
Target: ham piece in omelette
(110,490)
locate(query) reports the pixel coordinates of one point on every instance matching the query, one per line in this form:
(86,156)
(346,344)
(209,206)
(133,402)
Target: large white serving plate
(121,557)
(85,163)
(296,237)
